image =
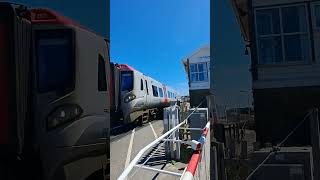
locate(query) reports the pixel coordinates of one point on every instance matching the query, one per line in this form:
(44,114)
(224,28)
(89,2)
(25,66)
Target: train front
(131,97)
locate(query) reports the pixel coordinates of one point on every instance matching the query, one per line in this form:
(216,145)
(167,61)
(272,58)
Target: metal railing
(196,145)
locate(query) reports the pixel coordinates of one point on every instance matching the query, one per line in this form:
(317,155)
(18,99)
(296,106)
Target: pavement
(125,146)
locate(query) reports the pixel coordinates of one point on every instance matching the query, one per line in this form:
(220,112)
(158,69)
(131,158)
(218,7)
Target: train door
(141,93)
(147,92)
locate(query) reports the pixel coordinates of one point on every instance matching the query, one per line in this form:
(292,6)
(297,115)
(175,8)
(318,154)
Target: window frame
(198,72)
(153,91)
(282,35)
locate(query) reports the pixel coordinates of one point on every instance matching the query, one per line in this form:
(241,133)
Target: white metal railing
(162,139)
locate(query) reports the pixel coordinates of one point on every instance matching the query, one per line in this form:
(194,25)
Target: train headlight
(129,98)
(63,114)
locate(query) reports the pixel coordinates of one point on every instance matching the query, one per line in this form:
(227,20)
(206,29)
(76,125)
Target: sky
(231,65)
(154,36)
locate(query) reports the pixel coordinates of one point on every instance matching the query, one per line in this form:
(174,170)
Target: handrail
(143,150)
(135,160)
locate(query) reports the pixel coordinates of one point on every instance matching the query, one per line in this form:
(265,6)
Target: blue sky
(231,65)
(154,36)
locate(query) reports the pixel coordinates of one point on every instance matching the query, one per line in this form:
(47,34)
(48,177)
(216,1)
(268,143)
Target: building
(197,67)
(283,38)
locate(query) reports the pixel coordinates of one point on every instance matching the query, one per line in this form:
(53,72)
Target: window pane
(296,47)
(294,19)
(54,63)
(201,76)
(160,92)
(193,68)
(200,67)
(317,14)
(268,21)
(126,80)
(155,91)
(102,79)
(270,50)
(147,86)
(194,77)
(141,84)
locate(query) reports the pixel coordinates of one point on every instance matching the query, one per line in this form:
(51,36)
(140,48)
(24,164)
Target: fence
(171,138)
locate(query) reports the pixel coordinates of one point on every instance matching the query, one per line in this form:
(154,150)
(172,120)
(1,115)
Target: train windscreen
(4,85)
(126,81)
(55,61)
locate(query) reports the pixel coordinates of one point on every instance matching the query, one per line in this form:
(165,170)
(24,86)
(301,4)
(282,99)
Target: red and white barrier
(195,158)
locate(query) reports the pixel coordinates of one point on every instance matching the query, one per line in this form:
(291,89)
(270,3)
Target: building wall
(203,55)
(196,96)
(283,93)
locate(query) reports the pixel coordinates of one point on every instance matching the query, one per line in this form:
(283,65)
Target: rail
(164,138)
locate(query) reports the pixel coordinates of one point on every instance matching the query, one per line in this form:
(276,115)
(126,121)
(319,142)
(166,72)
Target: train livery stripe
(166,100)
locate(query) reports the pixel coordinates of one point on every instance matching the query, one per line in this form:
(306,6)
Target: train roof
(49,16)
(127,67)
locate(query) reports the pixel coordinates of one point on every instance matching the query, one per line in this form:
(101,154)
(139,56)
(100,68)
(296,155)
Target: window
(160,92)
(147,87)
(155,91)
(55,61)
(141,85)
(198,72)
(102,79)
(126,81)
(282,40)
(317,16)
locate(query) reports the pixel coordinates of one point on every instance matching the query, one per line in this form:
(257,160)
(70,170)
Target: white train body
(140,93)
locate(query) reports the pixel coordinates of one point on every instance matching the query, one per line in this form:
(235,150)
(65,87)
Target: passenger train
(54,108)
(139,97)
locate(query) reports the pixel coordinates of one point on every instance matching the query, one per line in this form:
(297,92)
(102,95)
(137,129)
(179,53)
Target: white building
(197,67)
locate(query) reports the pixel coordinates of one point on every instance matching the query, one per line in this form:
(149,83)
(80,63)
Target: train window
(102,80)
(147,87)
(160,92)
(155,91)
(55,61)
(126,81)
(141,85)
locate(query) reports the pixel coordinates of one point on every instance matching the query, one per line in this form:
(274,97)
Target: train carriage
(138,95)
(58,104)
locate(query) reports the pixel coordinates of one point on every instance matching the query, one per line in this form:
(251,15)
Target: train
(55,98)
(138,97)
